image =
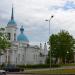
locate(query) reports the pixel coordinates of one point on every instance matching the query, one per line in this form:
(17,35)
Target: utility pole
(49,20)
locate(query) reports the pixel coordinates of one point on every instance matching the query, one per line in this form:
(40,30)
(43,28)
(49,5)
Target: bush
(38,66)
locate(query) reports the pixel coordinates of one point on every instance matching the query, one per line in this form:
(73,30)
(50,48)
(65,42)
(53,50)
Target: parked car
(2,72)
(12,68)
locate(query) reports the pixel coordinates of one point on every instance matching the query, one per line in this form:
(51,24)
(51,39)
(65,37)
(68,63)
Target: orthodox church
(21,52)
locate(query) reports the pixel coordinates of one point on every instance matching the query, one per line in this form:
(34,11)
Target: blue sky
(33,13)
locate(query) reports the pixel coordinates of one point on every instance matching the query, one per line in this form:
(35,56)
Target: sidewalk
(64,67)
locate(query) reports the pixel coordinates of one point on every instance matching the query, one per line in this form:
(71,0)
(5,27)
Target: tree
(61,43)
(4,43)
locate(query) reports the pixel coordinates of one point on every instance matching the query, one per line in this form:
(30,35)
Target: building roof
(12,21)
(22,36)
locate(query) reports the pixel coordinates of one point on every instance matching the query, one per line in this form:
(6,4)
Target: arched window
(18,57)
(9,36)
(14,36)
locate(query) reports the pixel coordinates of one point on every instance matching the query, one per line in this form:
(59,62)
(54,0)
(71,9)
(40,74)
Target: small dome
(11,22)
(21,36)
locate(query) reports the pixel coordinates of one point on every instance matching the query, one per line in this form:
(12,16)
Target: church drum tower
(11,28)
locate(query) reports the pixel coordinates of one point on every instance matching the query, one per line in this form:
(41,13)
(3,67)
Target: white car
(2,72)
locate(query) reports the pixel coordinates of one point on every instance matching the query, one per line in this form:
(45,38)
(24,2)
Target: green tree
(62,46)
(4,43)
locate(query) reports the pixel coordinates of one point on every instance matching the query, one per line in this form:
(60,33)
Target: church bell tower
(11,28)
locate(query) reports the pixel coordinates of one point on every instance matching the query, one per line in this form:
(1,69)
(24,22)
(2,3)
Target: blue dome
(22,37)
(11,22)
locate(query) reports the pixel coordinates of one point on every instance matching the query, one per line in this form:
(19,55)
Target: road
(24,74)
(15,74)
(26,71)
(18,74)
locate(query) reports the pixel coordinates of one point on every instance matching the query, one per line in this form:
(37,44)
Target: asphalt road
(40,74)
(64,67)
(18,74)
(15,74)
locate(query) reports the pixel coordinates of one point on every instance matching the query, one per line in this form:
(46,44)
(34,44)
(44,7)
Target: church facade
(21,52)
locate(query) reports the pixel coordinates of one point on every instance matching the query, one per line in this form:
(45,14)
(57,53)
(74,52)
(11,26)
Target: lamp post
(49,20)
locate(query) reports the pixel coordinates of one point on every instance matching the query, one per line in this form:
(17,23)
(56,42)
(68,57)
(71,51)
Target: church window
(15,51)
(14,36)
(18,57)
(16,60)
(6,58)
(40,62)
(23,59)
(9,35)
(34,56)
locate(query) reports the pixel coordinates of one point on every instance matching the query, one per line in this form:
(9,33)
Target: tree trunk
(60,61)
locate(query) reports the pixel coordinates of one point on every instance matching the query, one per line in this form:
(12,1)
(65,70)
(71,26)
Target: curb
(35,73)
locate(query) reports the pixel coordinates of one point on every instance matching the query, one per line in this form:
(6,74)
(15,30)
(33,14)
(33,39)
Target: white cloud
(32,14)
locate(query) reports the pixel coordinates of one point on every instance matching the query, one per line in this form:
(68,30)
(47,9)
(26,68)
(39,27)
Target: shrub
(38,66)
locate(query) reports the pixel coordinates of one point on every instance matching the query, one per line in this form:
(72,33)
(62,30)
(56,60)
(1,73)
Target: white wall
(11,30)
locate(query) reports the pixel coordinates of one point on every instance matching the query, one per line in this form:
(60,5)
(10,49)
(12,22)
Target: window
(6,58)
(16,60)
(9,35)
(18,57)
(23,59)
(15,36)
(34,56)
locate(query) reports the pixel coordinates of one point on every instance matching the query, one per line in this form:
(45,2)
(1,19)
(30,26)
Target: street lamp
(49,20)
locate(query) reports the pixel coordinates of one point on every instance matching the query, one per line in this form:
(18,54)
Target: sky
(31,14)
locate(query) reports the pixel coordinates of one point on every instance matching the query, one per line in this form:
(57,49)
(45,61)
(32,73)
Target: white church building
(21,52)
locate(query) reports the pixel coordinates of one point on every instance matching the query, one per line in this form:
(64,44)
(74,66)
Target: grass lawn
(73,64)
(58,71)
